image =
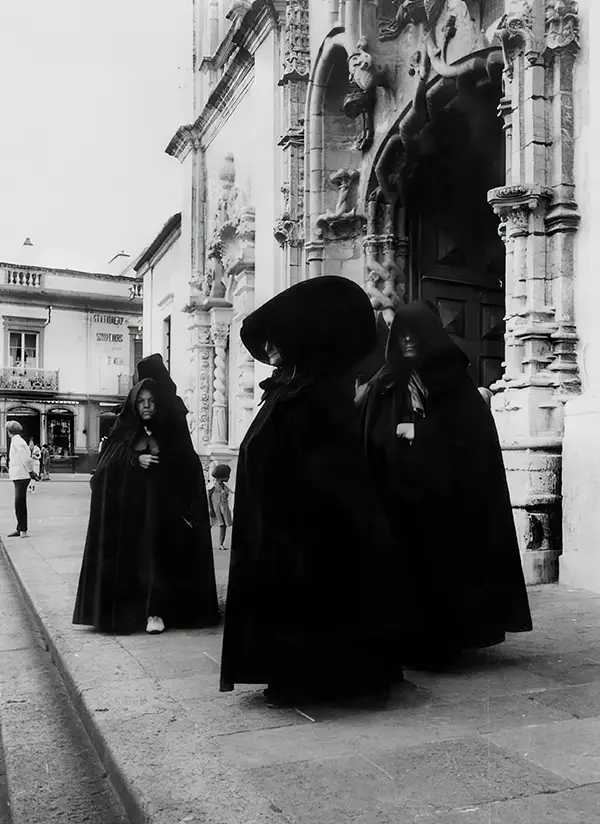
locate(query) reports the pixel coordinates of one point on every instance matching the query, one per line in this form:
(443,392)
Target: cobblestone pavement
(509,736)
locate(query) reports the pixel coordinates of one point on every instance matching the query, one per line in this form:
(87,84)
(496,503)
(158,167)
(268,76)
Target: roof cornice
(235,58)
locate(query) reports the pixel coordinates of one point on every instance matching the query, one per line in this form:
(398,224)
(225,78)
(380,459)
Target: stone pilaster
(538,216)
(289,228)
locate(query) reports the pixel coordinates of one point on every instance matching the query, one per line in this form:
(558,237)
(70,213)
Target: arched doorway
(29,418)
(456,257)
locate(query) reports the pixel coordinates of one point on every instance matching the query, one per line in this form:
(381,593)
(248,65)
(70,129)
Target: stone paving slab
(508,735)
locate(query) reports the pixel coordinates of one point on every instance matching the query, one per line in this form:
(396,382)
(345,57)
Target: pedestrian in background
(312,579)
(148,559)
(436,459)
(218,501)
(36,455)
(20,472)
(45,463)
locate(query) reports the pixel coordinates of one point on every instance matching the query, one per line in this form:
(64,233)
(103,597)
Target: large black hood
(321,325)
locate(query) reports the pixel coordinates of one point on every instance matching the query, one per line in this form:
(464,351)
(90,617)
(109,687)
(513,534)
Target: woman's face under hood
(417,339)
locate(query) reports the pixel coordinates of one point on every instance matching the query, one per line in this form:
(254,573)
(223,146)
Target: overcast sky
(91,93)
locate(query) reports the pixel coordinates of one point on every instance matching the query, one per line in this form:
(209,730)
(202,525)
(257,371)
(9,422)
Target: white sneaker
(155,624)
(23,534)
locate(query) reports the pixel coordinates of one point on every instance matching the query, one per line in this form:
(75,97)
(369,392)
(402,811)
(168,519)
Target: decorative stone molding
(289,227)
(296,56)
(343,222)
(562,24)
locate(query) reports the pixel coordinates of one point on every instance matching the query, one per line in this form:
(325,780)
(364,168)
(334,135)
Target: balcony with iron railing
(17,378)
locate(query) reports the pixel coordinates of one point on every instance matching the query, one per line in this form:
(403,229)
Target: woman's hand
(146,461)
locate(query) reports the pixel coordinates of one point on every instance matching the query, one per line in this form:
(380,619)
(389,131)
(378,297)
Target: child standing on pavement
(218,501)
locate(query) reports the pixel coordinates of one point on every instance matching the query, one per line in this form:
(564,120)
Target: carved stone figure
(364,77)
(343,221)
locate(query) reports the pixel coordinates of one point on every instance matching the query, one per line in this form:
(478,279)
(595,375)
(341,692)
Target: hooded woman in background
(148,561)
(311,577)
(434,453)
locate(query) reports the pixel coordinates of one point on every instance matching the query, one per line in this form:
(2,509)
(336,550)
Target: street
(511,735)
(54,774)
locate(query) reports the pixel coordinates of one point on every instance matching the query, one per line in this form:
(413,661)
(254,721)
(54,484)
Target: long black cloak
(148,546)
(309,596)
(445,494)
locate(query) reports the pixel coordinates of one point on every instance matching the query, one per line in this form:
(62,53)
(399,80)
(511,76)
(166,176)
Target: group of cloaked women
(372,526)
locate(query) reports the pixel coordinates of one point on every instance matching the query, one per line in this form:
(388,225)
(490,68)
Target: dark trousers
(21,504)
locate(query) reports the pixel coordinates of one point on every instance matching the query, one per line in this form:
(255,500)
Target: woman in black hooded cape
(148,549)
(435,456)
(309,595)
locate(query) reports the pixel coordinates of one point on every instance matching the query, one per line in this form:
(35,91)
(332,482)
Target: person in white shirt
(20,466)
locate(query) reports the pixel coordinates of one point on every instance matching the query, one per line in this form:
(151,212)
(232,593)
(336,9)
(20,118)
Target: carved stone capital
(515,206)
(562,25)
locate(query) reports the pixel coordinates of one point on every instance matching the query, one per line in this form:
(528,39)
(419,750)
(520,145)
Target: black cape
(148,548)
(309,596)
(446,495)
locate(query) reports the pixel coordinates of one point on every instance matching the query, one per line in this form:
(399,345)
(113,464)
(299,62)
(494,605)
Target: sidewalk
(512,736)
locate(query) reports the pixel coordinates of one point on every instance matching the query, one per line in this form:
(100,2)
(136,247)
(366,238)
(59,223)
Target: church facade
(423,148)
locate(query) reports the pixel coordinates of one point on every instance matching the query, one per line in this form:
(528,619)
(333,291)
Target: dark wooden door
(462,274)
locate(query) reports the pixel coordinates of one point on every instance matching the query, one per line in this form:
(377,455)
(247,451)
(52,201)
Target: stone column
(220,323)
(536,205)
(243,301)
(199,395)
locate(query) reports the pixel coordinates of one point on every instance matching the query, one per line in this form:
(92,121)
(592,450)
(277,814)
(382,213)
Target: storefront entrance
(29,419)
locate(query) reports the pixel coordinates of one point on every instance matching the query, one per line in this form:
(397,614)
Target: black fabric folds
(309,596)
(148,548)
(445,494)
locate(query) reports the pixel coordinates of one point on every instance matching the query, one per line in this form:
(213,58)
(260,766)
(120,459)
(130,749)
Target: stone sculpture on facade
(364,78)
(343,221)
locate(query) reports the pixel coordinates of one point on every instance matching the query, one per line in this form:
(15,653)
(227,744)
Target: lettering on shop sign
(116,320)
(107,337)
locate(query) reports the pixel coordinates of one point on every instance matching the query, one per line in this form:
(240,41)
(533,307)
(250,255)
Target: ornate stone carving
(296,54)
(408,12)
(231,246)
(384,281)
(219,331)
(562,24)
(202,347)
(287,231)
(364,77)
(515,206)
(343,222)
(516,34)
